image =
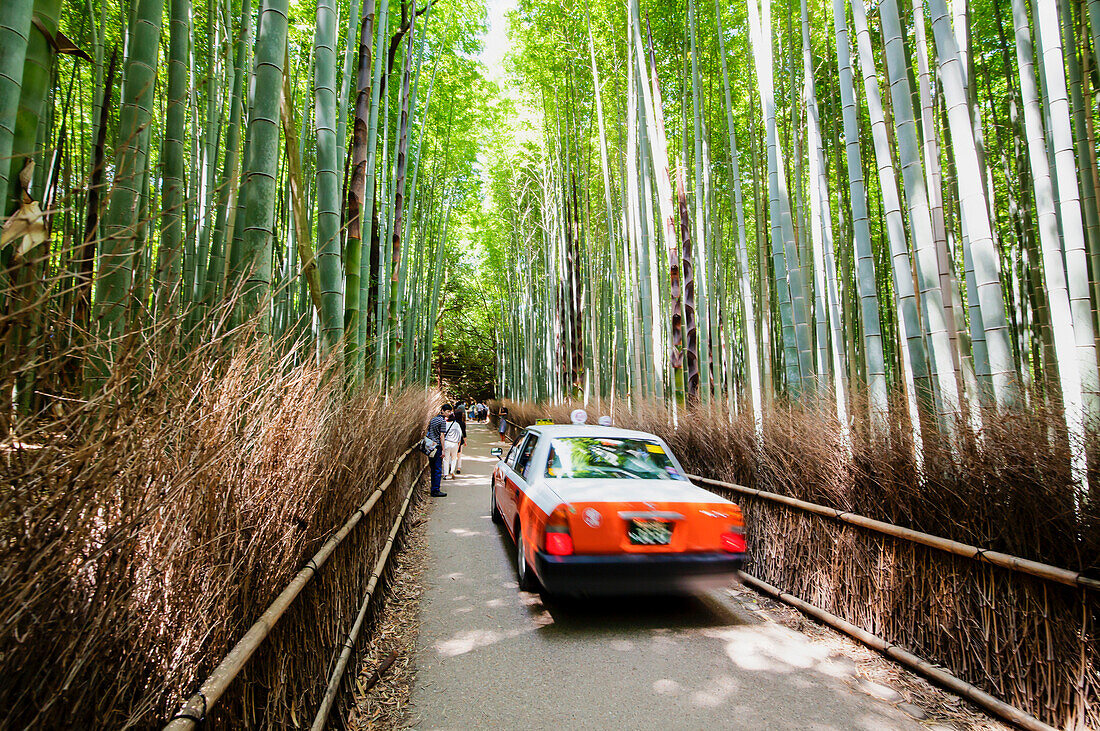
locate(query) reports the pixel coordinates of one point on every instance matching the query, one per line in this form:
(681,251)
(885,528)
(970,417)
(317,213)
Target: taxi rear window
(611,458)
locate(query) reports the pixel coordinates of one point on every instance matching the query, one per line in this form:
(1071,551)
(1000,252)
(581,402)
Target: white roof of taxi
(588,430)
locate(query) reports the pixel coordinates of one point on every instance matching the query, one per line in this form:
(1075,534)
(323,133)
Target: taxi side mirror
(496,451)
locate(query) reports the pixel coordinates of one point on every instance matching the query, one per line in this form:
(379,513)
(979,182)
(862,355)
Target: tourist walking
(502,420)
(436,428)
(452,440)
(460,417)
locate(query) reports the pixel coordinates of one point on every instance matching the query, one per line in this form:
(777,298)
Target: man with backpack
(436,428)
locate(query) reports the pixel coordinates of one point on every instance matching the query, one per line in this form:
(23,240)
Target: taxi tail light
(733,540)
(558,541)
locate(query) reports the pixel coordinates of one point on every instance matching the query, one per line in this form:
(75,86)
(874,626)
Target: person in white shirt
(452,440)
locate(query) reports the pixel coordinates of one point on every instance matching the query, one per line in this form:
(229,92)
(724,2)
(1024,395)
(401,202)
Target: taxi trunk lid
(644,516)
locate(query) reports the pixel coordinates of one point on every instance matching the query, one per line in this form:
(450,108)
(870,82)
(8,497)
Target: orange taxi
(598,510)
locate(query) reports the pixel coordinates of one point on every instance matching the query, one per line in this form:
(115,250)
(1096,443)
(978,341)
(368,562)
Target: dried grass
(385,706)
(1029,642)
(144,530)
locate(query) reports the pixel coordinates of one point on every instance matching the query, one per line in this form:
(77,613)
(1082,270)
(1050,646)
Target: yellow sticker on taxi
(655,449)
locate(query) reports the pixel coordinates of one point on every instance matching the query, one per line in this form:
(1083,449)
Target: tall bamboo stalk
(658,148)
(914,363)
(227,193)
(15,28)
(401,164)
(328,186)
(974,208)
(920,218)
(258,186)
(1069,203)
(1062,320)
(113,279)
(169,256)
(752,357)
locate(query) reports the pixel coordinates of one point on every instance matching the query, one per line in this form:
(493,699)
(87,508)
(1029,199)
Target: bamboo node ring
(185,714)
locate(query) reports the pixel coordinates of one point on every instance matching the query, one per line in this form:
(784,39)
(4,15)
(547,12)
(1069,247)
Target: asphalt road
(490,656)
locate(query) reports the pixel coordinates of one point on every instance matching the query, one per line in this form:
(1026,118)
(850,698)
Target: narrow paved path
(492,656)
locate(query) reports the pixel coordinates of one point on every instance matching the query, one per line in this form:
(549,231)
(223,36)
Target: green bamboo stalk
(297,184)
(920,218)
(369,274)
(914,360)
(227,190)
(752,357)
(114,281)
(782,246)
(1069,201)
(328,185)
(400,355)
(972,201)
(1057,291)
(433,301)
(211,138)
(618,347)
(258,186)
(169,255)
(952,300)
(830,358)
(354,314)
(15,29)
(32,94)
(642,317)
(401,165)
(817,223)
(651,94)
(345,78)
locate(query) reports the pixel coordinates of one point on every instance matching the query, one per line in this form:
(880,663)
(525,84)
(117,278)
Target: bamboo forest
(842,252)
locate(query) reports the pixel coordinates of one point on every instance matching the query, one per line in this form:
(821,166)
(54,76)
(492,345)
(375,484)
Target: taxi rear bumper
(648,573)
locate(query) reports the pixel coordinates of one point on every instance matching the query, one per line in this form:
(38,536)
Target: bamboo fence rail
(353,635)
(1004,560)
(919,665)
(194,710)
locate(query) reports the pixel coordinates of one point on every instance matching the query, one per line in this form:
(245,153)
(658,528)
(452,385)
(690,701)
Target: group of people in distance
(448,429)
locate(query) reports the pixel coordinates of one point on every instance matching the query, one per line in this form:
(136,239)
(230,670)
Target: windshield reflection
(614,458)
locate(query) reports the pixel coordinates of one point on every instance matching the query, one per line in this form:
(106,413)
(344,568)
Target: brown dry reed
(1008,488)
(145,528)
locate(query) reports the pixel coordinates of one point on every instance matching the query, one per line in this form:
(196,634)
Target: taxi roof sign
(543,422)
(579,416)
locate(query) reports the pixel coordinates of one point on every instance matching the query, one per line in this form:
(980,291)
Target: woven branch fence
(1030,641)
(143,539)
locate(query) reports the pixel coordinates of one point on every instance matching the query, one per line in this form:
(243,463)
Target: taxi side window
(513,453)
(525,455)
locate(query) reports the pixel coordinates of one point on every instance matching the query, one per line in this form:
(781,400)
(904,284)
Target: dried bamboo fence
(141,538)
(1015,627)
(194,710)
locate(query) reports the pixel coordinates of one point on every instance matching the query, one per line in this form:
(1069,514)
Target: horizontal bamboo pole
(198,705)
(345,652)
(1004,560)
(923,667)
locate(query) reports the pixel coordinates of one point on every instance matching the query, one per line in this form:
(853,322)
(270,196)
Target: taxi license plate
(649,532)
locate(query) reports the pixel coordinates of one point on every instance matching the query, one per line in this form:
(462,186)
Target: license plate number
(650,532)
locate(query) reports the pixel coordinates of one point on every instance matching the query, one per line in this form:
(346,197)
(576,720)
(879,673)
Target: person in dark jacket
(436,427)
